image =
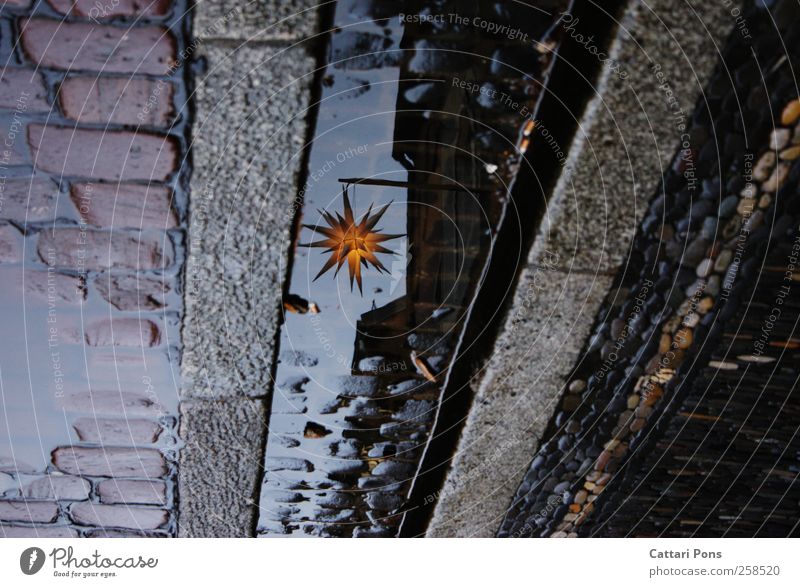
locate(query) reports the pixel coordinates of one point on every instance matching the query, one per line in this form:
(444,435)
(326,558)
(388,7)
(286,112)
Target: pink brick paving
(90,223)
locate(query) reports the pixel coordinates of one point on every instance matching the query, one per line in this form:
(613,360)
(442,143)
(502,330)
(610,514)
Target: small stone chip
(791,112)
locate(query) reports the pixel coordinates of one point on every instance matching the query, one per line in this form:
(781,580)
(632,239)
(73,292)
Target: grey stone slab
(626,137)
(540,343)
(630,130)
(257,20)
(219,467)
(248,135)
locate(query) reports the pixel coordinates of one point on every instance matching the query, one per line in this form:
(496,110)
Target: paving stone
(116,516)
(219,467)
(7,483)
(83,46)
(604,191)
(553,311)
(72,248)
(9,465)
(110,462)
(108,431)
(10,244)
(52,286)
(124,205)
(273,20)
(12,137)
(23,88)
(28,200)
(109,155)
(104,10)
(110,403)
(232,309)
(129,491)
(57,487)
(117,100)
(132,292)
(28,511)
(123,332)
(37,531)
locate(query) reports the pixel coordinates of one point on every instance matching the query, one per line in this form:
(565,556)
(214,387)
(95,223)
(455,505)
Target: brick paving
(348,435)
(92,211)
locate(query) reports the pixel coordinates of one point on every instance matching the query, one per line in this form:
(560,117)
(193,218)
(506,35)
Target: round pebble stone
(790,154)
(723,260)
(705,267)
(779,138)
(695,288)
(728,206)
(562,487)
(705,305)
(732,228)
(695,252)
(791,112)
(709,228)
(577,386)
(692,319)
(777,178)
(756,220)
(746,206)
(763,168)
(749,190)
(713,285)
(683,338)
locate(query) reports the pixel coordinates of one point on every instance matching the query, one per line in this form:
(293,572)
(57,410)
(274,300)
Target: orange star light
(355,243)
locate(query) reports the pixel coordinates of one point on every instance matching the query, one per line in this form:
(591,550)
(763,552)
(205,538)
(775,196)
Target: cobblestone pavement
(680,423)
(94,124)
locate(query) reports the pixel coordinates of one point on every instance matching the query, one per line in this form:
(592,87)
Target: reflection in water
(351,241)
(360,381)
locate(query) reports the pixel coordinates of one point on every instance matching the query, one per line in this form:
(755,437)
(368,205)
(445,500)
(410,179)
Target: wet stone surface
(91,252)
(665,371)
(364,358)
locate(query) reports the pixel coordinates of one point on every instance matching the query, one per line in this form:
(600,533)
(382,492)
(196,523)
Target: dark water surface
(413,116)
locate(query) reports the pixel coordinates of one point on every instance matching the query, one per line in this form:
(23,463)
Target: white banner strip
(388,563)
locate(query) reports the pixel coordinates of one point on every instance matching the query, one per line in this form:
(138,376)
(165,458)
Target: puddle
(403,128)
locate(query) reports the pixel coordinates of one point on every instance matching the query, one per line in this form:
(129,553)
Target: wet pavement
(91,250)
(408,122)
(679,421)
